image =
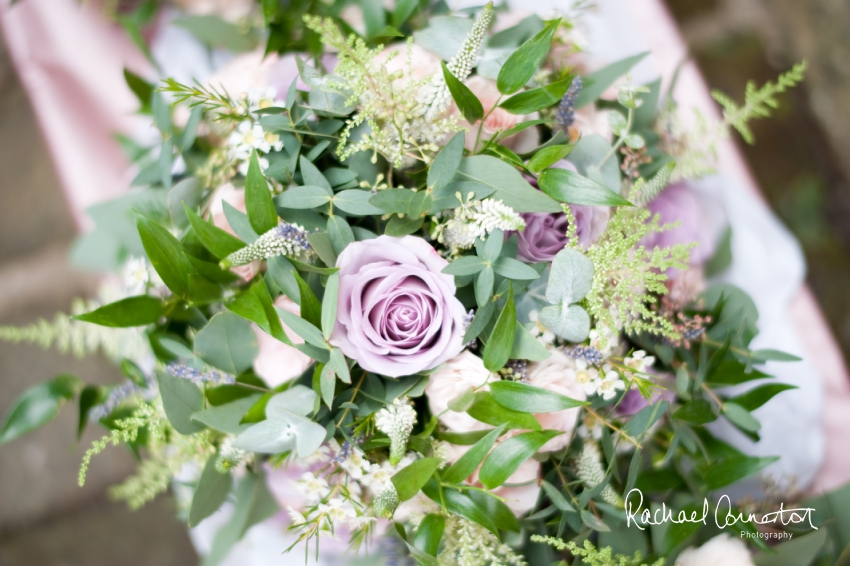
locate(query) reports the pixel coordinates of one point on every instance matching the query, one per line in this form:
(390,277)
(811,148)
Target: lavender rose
(545,233)
(679,203)
(397,312)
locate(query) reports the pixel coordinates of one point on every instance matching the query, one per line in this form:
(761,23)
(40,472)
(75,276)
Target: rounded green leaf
(297,198)
(228,343)
(211,493)
(571,277)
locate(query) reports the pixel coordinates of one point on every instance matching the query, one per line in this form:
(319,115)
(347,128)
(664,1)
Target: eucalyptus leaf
(570,322)
(180,399)
(356,201)
(446,163)
(594,84)
(570,278)
(228,343)
(308,196)
(211,492)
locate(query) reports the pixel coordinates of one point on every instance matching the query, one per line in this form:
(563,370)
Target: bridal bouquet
(428,285)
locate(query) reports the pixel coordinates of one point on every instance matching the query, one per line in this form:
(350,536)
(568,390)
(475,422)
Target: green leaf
(529,399)
(327,384)
(228,417)
(132,311)
(468,104)
(210,494)
(571,277)
(399,227)
(90,396)
(586,156)
(798,551)
(180,399)
(312,175)
(356,201)
(462,505)
(340,365)
(570,322)
(755,398)
(38,405)
(526,346)
(510,455)
(507,183)
(258,200)
(228,343)
(524,62)
(329,305)
(729,470)
(254,504)
(340,233)
(484,285)
(571,188)
(537,99)
(487,410)
(216,32)
(308,196)
(393,200)
(597,82)
(740,417)
(645,418)
(445,165)
(556,497)
(286,427)
(304,329)
(239,222)
(403,10)
(166,255)
(775,355)
(141,88)
(501,340)
(698,411)
(220,243)
(429,533)
(499,513)
(410,479)
(678,532)
(311,309)
(547,157)
(466,265)
(466,464)
(482,317)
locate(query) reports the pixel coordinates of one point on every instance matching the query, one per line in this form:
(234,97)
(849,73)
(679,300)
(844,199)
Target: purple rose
(545,233)
(397,312)
(679,203)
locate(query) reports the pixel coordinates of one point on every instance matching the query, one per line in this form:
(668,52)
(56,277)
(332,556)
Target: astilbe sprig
(469,544)
(758,102)
(627,277)
(592,556)
(387,102)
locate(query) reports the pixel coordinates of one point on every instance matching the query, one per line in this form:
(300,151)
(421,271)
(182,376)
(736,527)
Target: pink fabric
(70,61)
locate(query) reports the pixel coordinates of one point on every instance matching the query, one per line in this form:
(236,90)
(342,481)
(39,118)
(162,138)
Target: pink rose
(465,371)
(499,119)
(397,314)
(235,198)
(277,362)
(557,373)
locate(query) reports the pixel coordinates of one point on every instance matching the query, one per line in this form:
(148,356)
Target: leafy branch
(758,102)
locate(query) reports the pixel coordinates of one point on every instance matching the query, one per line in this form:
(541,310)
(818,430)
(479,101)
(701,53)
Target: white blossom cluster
(435,96)
(396,421)
(589,469)
(247,137)
(475,219)
(284,239)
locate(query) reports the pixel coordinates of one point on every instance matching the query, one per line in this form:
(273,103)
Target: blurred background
(801,160)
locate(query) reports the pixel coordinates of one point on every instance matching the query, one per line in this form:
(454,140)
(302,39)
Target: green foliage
(758,102)
(591,556)
(39,405)
(640,274)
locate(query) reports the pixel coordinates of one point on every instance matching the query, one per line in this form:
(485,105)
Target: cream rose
(557,373)
(460,373)
(722,550)
(277,362)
